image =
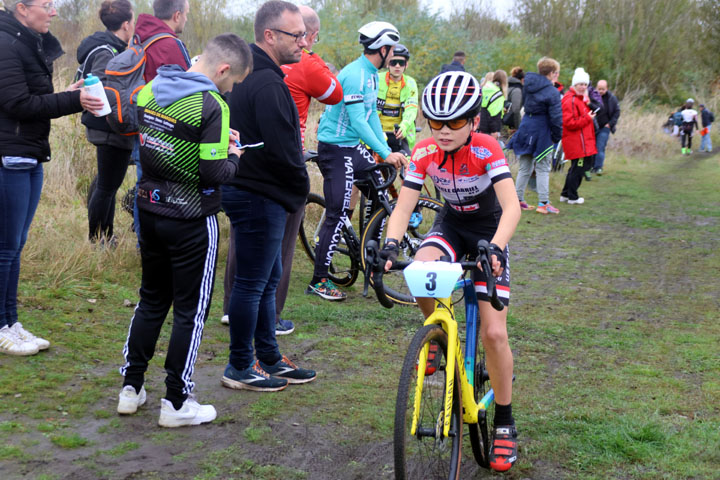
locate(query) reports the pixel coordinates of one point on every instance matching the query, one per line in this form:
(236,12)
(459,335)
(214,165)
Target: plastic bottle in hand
(93,86)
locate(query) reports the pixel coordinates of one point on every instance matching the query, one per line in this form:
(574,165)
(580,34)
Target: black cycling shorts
(457,236)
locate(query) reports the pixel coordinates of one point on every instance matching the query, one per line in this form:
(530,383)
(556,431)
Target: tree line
(660,51)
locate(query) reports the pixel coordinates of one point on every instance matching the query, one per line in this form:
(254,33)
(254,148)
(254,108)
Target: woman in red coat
(578,139)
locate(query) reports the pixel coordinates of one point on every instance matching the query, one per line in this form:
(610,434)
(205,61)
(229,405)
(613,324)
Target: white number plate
(432,279)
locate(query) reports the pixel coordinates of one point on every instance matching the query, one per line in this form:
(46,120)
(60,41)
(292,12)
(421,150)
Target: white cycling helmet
(451,95)
(378,34)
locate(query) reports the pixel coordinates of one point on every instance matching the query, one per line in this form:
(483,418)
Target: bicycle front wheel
(427,453)
(420,224)
(344,267)
(479,432)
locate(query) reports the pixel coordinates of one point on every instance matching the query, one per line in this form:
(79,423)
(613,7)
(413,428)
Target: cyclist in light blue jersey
(340,153)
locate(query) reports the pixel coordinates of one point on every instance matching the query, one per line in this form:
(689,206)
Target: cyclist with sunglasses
(471,172)
(341,156)
(398,102)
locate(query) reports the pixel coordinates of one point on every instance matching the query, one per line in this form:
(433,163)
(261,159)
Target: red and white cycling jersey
(464,178)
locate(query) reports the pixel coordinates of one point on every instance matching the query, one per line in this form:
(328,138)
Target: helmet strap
(383,57)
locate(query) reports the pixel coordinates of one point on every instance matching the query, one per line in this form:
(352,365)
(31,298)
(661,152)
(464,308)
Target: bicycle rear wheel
(420,225)
(479,432)
(344,267)
(427,453)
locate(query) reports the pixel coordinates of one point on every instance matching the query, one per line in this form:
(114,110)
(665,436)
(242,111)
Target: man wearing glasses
(398,102)
(272,181)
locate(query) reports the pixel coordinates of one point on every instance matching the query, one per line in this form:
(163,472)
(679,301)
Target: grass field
(613,324)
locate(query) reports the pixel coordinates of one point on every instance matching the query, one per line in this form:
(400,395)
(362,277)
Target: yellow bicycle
(440,388)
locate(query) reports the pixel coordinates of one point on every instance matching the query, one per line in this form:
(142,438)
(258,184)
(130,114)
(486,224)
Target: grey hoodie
(173,83)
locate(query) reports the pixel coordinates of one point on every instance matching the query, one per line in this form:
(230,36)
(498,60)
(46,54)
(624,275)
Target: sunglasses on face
(396,63)
(455,124)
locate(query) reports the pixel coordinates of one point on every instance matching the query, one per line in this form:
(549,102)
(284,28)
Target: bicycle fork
(453,346)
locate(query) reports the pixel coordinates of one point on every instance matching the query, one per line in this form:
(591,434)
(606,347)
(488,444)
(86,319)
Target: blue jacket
(356,117)
(541,127)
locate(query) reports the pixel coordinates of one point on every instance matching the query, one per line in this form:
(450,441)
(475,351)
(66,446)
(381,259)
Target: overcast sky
(444,7)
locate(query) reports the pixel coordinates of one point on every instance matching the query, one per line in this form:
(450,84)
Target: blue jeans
(601,140)
(19,198)
(259,225)
(705,142)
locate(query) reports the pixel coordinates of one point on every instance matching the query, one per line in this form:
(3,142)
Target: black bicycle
(349,257)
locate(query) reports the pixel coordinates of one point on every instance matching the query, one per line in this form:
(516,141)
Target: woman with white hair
(578,139)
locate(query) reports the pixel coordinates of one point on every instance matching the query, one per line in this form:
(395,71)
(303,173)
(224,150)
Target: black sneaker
(252,378)
(287,370)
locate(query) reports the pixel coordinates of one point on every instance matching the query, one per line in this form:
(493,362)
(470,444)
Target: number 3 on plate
(431,285)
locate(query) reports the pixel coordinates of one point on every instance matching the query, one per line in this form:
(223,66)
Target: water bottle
(93,86)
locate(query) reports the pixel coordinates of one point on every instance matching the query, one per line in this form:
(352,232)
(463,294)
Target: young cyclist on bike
(398,102)
(472,174)
(340,154)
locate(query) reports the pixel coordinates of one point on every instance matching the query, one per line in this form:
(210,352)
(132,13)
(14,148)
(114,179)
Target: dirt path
(301,437)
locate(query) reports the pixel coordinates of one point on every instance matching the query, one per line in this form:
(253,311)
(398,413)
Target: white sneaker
(41,343)
(129,400)
(191,413)
(579,201)
(12,344)
(563,199)
(225,320)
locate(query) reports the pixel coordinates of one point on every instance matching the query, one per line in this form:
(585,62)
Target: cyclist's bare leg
(493,331)
(427,254)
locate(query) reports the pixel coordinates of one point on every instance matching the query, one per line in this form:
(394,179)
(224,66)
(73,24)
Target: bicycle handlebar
(391,173)
(375,261)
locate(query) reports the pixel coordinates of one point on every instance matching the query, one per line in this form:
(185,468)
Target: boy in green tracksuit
(186,151)
(398,102)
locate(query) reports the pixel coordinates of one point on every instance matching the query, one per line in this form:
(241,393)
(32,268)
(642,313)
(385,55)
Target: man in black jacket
(457,65)
(607,119)
(272,181)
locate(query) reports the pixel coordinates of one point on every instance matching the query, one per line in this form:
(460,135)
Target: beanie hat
(580,76)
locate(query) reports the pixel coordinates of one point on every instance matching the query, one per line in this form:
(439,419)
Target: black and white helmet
(401,50)
(451,95)
(378,34)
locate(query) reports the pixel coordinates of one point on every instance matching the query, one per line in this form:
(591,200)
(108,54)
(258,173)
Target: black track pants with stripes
(178,269)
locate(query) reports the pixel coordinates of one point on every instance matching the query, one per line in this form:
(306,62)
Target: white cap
(689,100)
(580,76)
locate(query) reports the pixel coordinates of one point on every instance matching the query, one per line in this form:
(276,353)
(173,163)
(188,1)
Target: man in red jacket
(170,17)
(578,139)
(310,78)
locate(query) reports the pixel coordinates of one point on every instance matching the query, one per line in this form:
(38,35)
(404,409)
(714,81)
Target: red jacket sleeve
(320,83)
